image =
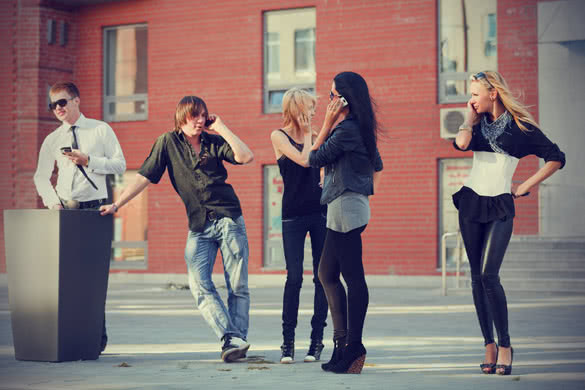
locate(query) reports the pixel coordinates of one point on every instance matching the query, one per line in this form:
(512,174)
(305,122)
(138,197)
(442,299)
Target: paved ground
(415,338)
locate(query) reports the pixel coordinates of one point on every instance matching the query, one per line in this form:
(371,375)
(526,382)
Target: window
(452,175)
(273,249)
(272,63)
(305,50)
(490,35)
(467,44)
(289,54)
(130,245)
(125,73)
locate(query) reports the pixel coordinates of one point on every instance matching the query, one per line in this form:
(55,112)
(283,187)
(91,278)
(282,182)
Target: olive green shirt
(199,179)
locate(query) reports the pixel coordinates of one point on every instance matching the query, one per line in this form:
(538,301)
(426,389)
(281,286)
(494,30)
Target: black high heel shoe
(338,347)
(507,368)
(354,357)
(491,366)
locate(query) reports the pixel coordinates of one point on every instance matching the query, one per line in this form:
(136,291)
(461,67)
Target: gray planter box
(58,264)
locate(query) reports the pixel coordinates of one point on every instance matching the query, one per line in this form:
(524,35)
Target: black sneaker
(314,353)
(233,348)
(288,352)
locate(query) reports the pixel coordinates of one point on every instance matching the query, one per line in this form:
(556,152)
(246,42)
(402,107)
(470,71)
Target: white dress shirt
(95,139)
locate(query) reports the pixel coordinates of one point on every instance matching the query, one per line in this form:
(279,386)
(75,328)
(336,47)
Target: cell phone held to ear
(210,120)
(66,149)
(344,102)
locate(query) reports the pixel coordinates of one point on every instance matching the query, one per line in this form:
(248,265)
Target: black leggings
(485,244)
(342,254)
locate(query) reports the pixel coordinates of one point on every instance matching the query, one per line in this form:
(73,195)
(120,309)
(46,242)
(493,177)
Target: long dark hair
(354,89)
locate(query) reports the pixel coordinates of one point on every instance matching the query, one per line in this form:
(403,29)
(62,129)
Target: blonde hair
(296,101)
(493,80)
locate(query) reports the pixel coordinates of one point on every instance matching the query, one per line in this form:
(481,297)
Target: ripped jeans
(229,236)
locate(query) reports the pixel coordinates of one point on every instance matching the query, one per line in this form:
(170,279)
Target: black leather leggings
(342,254)
(486,244)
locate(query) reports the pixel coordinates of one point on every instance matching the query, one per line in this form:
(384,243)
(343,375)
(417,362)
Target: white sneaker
(243,345)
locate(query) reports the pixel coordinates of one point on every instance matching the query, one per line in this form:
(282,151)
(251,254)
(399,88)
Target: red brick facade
(215,52)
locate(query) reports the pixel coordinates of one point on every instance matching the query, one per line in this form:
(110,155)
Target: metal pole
(458,261)
(444,265)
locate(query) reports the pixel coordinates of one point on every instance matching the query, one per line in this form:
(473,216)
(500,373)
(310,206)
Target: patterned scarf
(491,131)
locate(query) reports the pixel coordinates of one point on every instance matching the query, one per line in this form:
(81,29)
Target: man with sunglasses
(85,150)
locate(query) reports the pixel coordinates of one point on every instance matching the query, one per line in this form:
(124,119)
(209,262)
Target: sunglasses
(481,75)
(332,95)
(60,103)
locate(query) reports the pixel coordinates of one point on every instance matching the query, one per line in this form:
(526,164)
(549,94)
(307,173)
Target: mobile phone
(210,120)
(343,101)
(66,149)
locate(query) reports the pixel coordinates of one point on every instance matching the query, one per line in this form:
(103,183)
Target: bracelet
(115,207)
(465,127)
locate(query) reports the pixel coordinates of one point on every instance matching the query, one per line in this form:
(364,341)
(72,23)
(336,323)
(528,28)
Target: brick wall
(8,28)
(518,54)
(216,52)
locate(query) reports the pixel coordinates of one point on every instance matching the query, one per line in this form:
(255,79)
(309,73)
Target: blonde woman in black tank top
(301,213)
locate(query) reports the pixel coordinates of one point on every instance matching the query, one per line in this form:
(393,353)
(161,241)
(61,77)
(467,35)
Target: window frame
(107,100)
(267,108)
(443,77)
(313,41)
(142,244)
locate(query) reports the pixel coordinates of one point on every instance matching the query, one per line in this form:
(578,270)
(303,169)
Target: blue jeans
(200,252)
(294,232)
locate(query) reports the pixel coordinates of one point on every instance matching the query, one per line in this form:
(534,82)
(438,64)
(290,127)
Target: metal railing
(458,258)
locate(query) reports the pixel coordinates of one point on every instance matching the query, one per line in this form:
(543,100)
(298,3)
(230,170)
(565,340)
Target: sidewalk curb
(271,280)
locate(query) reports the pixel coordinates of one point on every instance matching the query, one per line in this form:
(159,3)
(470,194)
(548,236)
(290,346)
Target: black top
(483,209)
(301,186)
(516,143)
(347,163)
(199,179)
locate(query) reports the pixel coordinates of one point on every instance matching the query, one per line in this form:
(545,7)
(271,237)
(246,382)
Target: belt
(92,204)
(212,215)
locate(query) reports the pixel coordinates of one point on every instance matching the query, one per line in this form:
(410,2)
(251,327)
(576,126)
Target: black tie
(75,145)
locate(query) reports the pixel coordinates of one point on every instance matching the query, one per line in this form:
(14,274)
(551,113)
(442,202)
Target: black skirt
(483,209)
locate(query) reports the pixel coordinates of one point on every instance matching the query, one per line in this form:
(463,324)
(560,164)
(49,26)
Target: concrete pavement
(416,339)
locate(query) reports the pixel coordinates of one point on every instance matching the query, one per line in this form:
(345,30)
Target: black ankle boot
(338,347)
(352,362)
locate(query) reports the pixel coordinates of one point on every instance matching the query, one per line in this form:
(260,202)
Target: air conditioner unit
(451,119)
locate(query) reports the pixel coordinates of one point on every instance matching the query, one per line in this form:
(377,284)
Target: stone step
(577,244)
(535,273)
(537,264)
(546,253)
(567,264)
(544,264)
(539,284)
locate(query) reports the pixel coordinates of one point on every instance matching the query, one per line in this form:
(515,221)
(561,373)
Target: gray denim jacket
(346,161)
